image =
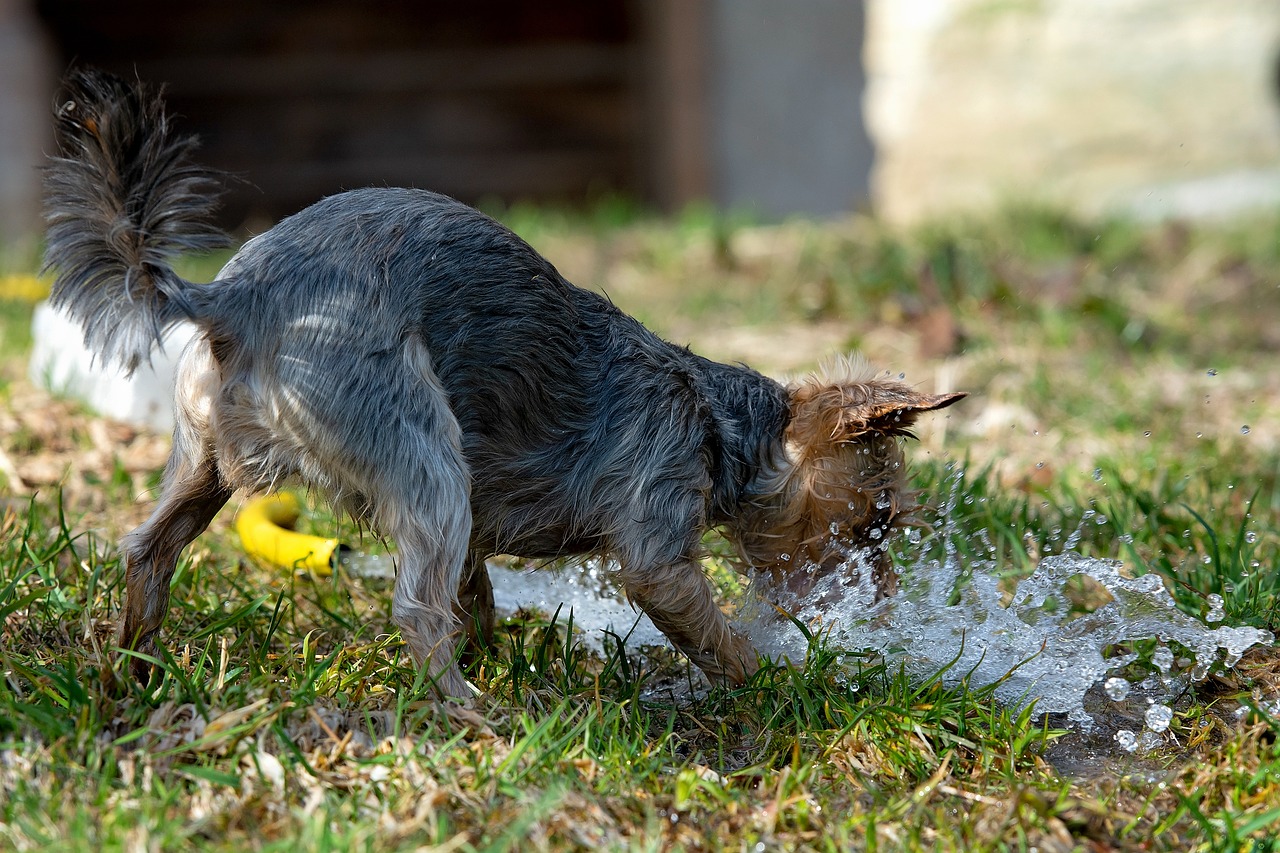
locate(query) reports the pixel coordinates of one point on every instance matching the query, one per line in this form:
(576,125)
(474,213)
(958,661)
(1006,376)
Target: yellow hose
(264,527)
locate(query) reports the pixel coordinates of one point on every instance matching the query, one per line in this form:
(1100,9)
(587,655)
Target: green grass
(287,715)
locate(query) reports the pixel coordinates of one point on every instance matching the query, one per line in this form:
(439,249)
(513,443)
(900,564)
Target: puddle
(598,606)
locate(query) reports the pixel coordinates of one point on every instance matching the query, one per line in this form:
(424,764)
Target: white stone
(61,364)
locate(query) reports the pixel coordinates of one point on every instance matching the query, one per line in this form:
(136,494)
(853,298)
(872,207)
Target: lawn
(1124,403)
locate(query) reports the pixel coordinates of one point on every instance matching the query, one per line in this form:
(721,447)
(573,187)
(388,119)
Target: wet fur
(441,381)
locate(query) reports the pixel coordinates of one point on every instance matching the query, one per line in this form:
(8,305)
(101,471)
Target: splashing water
(1030,645)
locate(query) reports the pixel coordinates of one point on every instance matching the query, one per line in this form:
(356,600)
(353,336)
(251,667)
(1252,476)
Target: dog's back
(574,419)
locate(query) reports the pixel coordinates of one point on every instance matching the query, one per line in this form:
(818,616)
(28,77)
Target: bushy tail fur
(121,199)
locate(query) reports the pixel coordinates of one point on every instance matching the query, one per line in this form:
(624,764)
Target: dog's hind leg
(419,489)
(475,605)
(190,499)
(192,492)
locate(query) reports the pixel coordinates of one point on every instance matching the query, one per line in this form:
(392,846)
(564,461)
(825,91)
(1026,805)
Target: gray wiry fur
(440,380)
(121,200)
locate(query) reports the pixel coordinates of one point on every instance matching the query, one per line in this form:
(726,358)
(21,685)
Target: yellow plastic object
(264,527)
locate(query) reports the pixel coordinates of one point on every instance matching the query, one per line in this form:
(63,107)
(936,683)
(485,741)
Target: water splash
(1028,643)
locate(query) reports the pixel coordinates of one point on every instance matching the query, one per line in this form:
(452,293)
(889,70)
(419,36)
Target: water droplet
(1213,371)
(1147,433)
(1149,742)
(786,558)
(1158,717)
(1215,613)
(1206,559)
(875,533)
(1100,520)
(834,528)
(1251,537)
(1244,430)
(1162,658)
(1097,474)
(1117,688)
(1127,740)
(1039,464)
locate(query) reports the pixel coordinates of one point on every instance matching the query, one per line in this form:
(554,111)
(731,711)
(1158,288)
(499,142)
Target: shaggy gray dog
(441,381)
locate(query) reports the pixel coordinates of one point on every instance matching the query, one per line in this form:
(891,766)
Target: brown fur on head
(843,481)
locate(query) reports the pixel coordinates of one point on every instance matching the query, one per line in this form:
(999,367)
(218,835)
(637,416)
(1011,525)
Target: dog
(439,379)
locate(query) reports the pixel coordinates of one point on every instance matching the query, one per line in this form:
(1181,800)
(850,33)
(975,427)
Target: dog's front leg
(679,601)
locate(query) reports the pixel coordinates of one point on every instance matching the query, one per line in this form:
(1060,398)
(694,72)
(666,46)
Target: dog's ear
(892,409)
(841,412)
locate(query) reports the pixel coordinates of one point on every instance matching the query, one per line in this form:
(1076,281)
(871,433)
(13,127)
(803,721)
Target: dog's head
(844,483)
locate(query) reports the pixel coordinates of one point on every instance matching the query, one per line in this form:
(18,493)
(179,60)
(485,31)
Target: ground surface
(1129,371)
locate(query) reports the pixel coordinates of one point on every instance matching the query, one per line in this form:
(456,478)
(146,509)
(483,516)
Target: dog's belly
(537,540)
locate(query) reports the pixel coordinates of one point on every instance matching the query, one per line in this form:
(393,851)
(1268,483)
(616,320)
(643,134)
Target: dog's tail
(121,199)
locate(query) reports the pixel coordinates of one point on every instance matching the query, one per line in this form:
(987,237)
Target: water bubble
(1158,717)
(1127,740)
(1117,688)
(1244,430)
(1215,613)
(1149,741)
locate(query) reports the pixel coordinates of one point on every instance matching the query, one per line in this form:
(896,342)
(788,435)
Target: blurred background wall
(911,107)
(1157,106)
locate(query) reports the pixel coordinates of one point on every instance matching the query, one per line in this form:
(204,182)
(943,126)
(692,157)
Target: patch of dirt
(104,467)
